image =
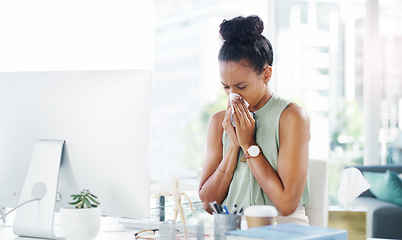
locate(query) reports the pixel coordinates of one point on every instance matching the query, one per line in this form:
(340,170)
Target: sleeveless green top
(244,190)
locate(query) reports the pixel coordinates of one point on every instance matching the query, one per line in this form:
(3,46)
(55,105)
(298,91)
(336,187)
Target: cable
(3,216)
(3,209)
(38,191)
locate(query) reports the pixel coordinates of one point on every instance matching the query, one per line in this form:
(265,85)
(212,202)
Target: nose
(233,91)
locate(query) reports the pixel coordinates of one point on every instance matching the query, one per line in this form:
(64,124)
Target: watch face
(253,151)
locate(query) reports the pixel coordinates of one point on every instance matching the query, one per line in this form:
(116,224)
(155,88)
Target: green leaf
(75,202)
(93,200)
(87,203)
(84,199)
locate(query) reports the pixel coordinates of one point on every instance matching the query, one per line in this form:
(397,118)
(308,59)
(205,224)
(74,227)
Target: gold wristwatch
(252,151)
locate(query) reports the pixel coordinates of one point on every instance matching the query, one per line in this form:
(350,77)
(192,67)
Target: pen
(217,207)
(226,209)
(211,204)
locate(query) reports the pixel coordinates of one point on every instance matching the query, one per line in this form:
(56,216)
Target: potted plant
(82,222)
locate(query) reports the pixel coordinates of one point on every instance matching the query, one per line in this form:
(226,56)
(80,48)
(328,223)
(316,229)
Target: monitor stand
(35,219)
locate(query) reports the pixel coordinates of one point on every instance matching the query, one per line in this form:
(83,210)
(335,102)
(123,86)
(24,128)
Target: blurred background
(338,59)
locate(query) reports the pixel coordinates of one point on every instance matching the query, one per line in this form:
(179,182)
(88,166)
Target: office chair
(317,210)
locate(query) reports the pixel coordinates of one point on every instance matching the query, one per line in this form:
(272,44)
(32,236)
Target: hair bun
(241,29)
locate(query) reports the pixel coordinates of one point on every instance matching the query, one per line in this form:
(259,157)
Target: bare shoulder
(217,119)
(294,114)
(215,128)
(214,136)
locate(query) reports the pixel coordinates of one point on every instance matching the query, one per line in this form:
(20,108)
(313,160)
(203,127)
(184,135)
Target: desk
(6,233)
(111,229)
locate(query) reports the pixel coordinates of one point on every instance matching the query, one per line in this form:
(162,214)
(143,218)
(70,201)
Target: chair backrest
(317,210)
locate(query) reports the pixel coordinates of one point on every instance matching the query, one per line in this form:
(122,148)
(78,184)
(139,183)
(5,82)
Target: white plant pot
(80,224)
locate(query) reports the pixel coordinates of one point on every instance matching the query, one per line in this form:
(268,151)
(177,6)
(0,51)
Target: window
(320,62)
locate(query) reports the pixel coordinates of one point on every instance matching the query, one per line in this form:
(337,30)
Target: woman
(264,159)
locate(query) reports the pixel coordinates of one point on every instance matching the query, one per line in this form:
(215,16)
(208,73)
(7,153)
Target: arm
(189,200)
(284,187)
(218,170)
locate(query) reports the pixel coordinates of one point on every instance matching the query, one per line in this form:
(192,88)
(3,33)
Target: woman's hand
(245,124)
(228,127)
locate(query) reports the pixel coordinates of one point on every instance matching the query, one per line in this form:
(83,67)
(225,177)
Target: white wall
(75,34)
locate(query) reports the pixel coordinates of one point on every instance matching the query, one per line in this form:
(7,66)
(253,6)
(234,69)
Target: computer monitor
(104,118)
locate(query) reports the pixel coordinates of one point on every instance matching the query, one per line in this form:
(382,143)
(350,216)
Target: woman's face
(240,78)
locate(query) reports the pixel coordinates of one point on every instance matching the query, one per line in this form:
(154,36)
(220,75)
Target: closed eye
(225,86)
(236,85)
(241,85)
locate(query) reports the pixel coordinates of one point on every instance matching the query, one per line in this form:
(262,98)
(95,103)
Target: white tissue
(351,186)
(231,98)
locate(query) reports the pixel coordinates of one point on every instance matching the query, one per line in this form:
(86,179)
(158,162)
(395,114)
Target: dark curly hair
(242,40)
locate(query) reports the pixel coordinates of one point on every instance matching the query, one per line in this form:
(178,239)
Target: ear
(267,73)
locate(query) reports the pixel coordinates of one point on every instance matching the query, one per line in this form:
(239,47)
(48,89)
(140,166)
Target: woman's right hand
(228,127)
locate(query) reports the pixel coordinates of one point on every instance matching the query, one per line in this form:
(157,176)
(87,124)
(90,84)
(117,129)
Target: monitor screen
(104,118)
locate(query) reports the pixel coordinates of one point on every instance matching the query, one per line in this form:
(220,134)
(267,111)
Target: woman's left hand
(245,124)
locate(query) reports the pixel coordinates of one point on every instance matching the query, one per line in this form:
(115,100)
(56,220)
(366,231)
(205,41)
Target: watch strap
(246,155)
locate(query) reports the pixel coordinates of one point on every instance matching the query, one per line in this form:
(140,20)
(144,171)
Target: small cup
(224,223)
(260,215)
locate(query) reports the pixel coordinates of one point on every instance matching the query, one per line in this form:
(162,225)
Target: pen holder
(225,222)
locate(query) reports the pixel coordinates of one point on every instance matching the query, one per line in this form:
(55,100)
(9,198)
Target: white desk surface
(111,229)
(6,233)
